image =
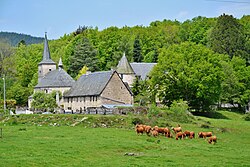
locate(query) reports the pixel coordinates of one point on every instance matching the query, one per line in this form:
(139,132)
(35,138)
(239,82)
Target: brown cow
(204,134)
(177,129)
(148,130)
(212,139)
(155,133)
(139,129)
(189,134)
(161,130)
(179,135)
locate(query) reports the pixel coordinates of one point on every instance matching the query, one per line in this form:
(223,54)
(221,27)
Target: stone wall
(116,92)
(44,69)
(81,103)
(129,78)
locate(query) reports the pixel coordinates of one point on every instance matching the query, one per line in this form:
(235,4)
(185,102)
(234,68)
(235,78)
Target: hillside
(14,38)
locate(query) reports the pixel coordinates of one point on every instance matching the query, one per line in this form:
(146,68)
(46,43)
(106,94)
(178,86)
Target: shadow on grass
(210,114)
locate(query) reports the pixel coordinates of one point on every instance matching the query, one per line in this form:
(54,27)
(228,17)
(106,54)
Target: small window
(50,69)
(83,99)
(40,72)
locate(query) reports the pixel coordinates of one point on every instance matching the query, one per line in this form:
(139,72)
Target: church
(95,89)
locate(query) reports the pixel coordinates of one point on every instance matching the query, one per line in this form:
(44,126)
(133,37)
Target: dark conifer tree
(84,55)
(227,37)
(137,56)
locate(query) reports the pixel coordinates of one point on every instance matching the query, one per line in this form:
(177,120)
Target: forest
(203,61)
(14,39)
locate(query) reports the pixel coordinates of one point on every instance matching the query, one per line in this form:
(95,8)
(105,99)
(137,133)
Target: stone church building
(95,89)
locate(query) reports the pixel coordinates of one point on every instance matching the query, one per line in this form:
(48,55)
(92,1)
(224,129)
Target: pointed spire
(46,52)
(124,67)
(60,64)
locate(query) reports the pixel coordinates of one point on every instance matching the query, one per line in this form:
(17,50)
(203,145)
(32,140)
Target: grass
(31,143)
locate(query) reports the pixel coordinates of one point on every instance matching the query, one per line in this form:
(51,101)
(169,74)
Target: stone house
(96,90)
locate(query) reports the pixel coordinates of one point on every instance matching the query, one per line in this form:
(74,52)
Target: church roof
(90,84)
(56,78)
(124,67)
(142,69)
(46,53)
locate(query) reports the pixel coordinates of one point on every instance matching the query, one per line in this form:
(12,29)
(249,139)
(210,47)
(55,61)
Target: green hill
(14,38)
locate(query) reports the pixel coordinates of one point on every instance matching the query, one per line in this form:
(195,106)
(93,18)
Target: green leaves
(190,72)
(43,101)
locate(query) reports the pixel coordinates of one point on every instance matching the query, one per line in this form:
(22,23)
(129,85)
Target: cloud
(237,10)
(182,15)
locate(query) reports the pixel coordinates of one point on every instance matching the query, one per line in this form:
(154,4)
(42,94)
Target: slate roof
(124,67)
(56,78)
(46,53)
(90,84)
(142,69)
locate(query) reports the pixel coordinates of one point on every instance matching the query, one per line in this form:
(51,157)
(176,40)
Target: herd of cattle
(155,131)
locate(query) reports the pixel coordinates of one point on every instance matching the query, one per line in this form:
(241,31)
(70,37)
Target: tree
(82,71)
(43,101)
(84,54)
(227,37)
(137,56)
(190,72)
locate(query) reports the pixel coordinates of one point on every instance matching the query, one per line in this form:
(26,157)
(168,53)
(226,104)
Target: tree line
(204,61)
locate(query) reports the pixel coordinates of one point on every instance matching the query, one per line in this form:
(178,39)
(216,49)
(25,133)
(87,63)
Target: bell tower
(46,65)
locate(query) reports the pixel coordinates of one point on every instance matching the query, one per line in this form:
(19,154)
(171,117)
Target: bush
(136,121)
(153,111)
(246,117)
(179,106)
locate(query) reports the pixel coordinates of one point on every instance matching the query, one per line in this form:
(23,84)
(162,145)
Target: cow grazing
(139,129)
(154,133)
(148,129)
(177,129)
(179,135)
(204,134)
(212,139)
(161,130)
(189,134)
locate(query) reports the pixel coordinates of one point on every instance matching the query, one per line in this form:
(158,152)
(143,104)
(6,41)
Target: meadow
(52,144)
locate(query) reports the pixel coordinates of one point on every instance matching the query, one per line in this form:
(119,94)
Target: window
(90,98)
(50,69)
(40,71)
(84,99)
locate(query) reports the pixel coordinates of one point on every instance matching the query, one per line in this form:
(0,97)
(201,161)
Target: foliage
(84,54)
(44,102)
(179,106)
(190,72)
(14,38)
(19,64)
(82,71)
(227,37)
(137,56)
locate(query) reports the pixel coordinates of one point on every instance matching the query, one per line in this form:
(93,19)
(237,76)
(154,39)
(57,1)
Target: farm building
(97,89)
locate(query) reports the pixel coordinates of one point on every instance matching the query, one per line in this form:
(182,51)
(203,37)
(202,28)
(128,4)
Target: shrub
(246,117)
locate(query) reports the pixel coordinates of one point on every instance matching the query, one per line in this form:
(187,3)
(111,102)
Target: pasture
(32,145)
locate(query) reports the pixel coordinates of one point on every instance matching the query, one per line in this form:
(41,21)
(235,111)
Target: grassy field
(27,144)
